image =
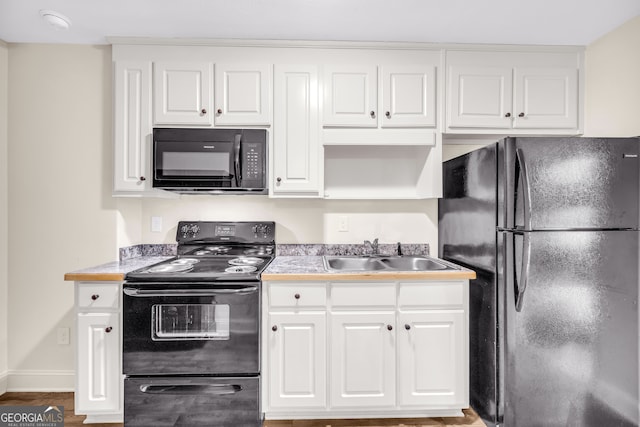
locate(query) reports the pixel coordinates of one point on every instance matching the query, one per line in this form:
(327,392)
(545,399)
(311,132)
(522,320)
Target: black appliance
(191,347)
(210,160)
(551,227)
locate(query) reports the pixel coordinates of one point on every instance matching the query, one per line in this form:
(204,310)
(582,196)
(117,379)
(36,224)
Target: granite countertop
(113,271)
(312,268)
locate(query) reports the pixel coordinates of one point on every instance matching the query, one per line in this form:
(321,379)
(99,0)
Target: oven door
(192,401)
(172,329)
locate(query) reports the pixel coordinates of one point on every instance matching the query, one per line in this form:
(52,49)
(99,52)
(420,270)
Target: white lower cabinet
(372,349)
(99,381)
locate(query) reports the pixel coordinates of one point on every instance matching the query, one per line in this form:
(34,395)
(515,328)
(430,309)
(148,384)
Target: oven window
(195,163)
(187,322)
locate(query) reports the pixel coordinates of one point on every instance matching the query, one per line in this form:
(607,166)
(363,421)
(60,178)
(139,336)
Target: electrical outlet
(63,336)
(156,224)
(343,223)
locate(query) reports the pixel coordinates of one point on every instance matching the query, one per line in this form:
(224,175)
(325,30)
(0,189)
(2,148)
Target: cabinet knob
(219,111)
(508,115)
(279,179)
(407,326)
(274,328)
(108,329)
(372,114)
(95,297)
(297,296)
(388,114)
(521,115)
(389,327)
(142,178)
(203,111)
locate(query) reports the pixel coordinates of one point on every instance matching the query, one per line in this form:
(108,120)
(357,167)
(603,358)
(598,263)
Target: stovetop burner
(214,251)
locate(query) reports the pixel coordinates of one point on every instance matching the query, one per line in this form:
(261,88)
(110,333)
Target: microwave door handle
(236,161)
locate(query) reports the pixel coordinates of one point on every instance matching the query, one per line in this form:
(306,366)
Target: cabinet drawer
(357,294)
(297,295)
(431,294)
(98,295)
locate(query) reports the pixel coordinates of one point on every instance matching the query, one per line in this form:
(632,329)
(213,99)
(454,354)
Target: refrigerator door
(568,183)
(467,236)
(571,329)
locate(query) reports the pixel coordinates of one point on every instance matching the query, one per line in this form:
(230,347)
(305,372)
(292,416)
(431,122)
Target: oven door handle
(197,389)
(132,292)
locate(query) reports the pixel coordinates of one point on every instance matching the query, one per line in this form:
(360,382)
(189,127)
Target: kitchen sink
(382,263)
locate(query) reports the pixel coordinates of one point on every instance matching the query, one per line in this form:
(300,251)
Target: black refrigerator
(551,227)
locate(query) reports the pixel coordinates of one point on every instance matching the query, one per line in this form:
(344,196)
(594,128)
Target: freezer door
(570,317)
(560,183)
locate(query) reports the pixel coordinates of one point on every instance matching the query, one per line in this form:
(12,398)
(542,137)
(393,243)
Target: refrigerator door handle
(524,272)
(525,187)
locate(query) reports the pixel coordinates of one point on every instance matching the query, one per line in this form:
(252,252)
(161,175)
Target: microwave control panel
(253,164)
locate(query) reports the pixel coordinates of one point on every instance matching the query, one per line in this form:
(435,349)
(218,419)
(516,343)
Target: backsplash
(297,249)
(349,249)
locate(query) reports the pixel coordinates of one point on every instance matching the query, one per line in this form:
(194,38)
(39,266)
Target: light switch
(156,224)
(343,223)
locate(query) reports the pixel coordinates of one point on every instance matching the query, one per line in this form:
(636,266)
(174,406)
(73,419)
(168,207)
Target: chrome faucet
(373,245)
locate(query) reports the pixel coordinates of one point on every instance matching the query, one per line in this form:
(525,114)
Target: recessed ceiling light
(55,19)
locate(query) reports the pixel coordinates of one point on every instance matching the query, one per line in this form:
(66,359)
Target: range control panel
(233,232)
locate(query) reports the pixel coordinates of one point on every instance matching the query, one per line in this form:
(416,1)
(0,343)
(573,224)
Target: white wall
(61,213)
(4,189)
(613,83)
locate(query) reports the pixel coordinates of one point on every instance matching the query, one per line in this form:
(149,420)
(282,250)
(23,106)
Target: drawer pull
(297,296)
(108,329)
(389,327)
(95,297)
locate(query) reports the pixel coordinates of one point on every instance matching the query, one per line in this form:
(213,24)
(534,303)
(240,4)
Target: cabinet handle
(204,111)
(219,111)
(388,114)
(372,114)
(95,297)
(407,326)
(279,179)
(389,327)
(142,178)
(521,115)
(274,328)
(108,329)
(297,296)
(508,115)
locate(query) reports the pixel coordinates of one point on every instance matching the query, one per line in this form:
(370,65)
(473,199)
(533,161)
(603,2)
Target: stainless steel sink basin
(384,263)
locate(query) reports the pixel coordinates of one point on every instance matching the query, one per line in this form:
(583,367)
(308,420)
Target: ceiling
(553,22)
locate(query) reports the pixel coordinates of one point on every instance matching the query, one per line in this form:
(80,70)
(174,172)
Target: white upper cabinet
(351,96)
(408,96)
(182,93)
(242,94)
(519,92)
(386,96)
(296,151)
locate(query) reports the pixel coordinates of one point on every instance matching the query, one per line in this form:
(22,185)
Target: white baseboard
(40,381)
(3,382)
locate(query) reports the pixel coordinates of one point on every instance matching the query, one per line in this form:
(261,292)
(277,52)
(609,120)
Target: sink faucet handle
(399,249)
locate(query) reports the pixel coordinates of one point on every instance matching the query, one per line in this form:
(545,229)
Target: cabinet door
(545,98)
(408,96)
(242,94)
(132,126)
(432,366)
(297,360)
(479,97)
(182,93)
(351,96)
(363,363)
(296,155)
(98,374)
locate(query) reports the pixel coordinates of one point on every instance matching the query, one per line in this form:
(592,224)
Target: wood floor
(470,419)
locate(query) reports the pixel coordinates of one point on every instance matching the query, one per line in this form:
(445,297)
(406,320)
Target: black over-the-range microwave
(210,160)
